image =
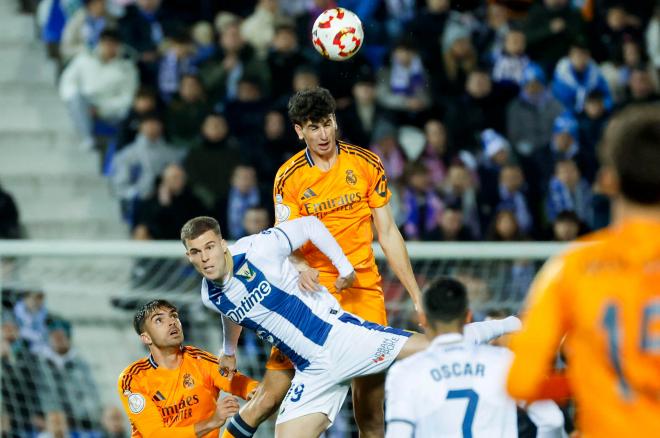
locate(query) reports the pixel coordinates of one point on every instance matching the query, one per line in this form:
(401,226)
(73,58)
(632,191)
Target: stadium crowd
(486,115)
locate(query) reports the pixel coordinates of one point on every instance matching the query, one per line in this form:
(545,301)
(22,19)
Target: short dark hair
(312,104)
(151,116)
(445,300)
(197,226)
(567,216)
(110,34)
(631,145)
(148,309)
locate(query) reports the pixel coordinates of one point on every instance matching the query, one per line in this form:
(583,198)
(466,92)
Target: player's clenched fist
(227,365)
(308,280)
(225,408)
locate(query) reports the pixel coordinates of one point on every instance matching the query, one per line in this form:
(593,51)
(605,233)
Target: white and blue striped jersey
(262,292)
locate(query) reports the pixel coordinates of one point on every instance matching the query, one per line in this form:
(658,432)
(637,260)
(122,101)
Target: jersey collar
(449,338)
(310,160)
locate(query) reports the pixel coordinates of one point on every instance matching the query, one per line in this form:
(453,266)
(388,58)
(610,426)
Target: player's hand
(227,365)
(345,282)
(308,280)
(225,408)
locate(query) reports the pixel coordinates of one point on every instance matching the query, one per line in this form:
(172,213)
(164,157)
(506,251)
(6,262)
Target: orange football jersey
(342,198)
(162,402)
(604,297)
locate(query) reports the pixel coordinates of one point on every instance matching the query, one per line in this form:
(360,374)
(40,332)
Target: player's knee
(267,402)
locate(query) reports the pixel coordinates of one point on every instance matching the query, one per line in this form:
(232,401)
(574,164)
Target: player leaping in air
(253,284)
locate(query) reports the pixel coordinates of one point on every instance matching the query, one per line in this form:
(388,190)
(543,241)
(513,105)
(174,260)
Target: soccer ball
(337,34)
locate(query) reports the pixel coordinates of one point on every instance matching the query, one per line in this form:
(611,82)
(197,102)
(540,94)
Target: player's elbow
(518,389)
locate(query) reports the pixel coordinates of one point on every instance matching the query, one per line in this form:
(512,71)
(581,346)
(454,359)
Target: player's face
(163,329)
(207,254)
(319,136)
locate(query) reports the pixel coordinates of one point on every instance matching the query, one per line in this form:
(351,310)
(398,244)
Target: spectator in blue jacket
(575,76)
(568,191)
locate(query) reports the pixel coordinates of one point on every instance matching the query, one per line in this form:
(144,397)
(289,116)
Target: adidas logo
(309,193)
(245,272)
(158,397)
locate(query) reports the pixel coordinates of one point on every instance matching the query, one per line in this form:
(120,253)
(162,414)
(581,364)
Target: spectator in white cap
(496,153)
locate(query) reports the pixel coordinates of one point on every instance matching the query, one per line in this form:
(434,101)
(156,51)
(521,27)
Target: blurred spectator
(563,145)
(235,59)
(566,227)
(203,38)
(98,84)
(56,426)
(217,145)
(186,112)
(575,76)
(243,194)
(402,87)
(176,62)
(551,27)
(653,39)
(67,383)
(436,153)
(641,88)
(496,153)
(246,113)
(276,146)
(256,219)
(399,15)
(568,191)
(510,192)
(143,28)
(135,168)
(258,29)
(428,26)
(531,115)
(362,117)
(616,28)
(449,226)
(420,202)
(477,110)
(162,215)
(20,380)
(387,147)
(449,71)
(9,218)
(32,318)
(617,70)
(284,58)
(459,188)
(114,423)
(83,30)
(509,64)
(338,76)
(592,123)
(144,102)
(504,227)
(491,33)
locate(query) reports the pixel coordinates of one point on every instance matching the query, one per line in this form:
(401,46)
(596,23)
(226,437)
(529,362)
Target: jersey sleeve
(143,413)
(284,197)
(399,410)
(545,321)
(378,193)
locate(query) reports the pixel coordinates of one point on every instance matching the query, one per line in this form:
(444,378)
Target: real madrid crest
(188,381)
(351,179)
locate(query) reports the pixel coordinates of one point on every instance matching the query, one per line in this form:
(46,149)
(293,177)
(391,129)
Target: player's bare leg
(368,400)
(268,397)
(307,426)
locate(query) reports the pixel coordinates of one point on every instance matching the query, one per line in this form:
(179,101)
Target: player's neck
(439,329)
(168,358)
(624,210)
(228,272)
(324,162)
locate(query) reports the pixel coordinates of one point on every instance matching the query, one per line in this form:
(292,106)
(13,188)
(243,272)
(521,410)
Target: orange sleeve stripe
(360,148)
(375,162)
(279,177)
(132,369)
(201,354)
(128,378)
(367,155)
(289,173)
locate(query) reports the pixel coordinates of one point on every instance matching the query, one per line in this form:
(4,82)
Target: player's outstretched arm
(227,358)
(309,228)
(485,331)
(394,247)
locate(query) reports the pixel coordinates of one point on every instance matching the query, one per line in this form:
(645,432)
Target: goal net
(67,312)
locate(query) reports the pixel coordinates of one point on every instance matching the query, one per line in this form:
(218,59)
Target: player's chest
(180,399)
(340,188)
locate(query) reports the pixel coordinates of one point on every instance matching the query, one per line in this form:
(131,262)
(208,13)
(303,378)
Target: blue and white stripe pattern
(263,295)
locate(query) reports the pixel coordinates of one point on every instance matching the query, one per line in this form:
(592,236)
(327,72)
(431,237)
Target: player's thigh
(307,426)
(368,396)
(269,395)
(366,301)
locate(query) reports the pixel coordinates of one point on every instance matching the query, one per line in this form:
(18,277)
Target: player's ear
(299,131)
(145,338)
(468,317)
(607,181)
(223,245)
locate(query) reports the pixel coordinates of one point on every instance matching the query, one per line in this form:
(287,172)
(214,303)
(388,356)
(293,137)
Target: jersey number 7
(473,399)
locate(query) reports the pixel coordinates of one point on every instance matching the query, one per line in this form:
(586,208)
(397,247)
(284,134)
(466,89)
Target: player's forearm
(206,426)
(485,331)
(398,259)
(230,334)
(298,261)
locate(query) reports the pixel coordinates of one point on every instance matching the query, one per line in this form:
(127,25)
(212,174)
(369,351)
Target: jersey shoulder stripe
(290,164)
(133,371)
(373,159)
(299,164)
(360,148)
(197,353)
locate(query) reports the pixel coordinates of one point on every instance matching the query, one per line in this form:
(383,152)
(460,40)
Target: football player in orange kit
(174,392)
(345,186)
(604,298)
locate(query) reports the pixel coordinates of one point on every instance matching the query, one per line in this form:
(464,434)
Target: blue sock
(239,428)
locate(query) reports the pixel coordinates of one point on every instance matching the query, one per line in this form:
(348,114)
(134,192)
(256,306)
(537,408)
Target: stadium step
(16,29)
(22,63)
(83,229)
